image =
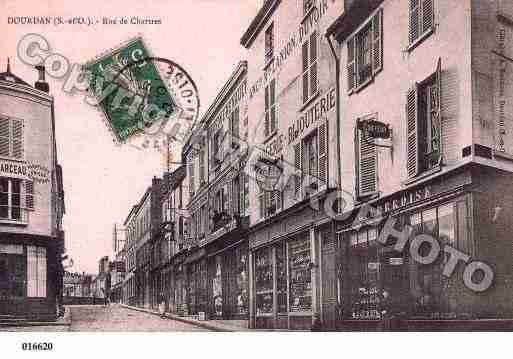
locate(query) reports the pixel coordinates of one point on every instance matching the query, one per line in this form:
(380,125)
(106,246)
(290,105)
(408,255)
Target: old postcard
(256,166)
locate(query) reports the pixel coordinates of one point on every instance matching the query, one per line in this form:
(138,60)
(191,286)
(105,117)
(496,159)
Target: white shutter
(304,58)
(322,137)
(377,42)
(351,64)
(17,138)
(298,164)
(412,150)
(5,135)
(427,15)
(272,103)
(414,23)
(367,163)
(438,106)
(267,114)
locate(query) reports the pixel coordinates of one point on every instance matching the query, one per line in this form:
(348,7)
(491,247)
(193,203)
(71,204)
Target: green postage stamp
(129,90)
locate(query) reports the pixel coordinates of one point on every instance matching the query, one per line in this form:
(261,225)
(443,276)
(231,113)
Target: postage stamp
(130,90)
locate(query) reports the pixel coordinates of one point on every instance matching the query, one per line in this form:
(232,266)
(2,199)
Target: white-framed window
(269,43)
(421,19)
(366,163)
(309,75)
(12,138)
(16,197)
(270,124)
(365,53)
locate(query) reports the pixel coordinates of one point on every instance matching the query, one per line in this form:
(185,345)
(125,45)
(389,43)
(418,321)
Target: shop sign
(404,199)
(374,129)
(314,114)
(38,173)
(14,169)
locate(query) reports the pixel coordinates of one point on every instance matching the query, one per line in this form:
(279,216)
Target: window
(300,277)
(13,271)
(191,174)
(201,160)
(36,271)
(307,5)
(269,43)
(270,202)
(421,19)
(311,159)
(236,196)
(15,197)
(309,68)
(264,281)
(366,164)
(365,53)
(11,138)
(423,107)
(234,128)
(217,155)
(270,108)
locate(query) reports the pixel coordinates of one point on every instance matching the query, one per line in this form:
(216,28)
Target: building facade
(215,268)
(292,111)
(31,200)
(445,166)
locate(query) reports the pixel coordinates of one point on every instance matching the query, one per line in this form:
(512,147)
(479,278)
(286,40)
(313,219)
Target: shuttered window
(234,127)
(423,117)
(191,174)
(366,164)
(29,194)
(201,161)
(309,54)
(270,108)
(365,53)
(11,138)
(323,153)
(421,18)
(298,164)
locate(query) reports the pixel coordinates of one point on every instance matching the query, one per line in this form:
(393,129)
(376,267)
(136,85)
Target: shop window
(242,295)
(300,275)
(365,53)
(423,108)
(421,20)
(309,67)
(11,138)
(270,109)
(217,290)
(264,281)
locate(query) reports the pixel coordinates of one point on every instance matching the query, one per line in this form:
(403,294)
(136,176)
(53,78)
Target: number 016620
(37,346)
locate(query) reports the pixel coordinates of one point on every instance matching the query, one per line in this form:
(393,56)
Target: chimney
(41,84)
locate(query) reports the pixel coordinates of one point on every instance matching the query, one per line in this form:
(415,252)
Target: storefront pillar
(314,273)
(251,292)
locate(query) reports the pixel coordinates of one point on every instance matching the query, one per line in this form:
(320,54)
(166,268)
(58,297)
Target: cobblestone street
(116,318)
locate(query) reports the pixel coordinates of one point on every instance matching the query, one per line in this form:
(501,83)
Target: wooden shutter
(298,164)
(313,63)
(29,194)
(412,150)
(266,122)
(414,23)
(5,135)
(377,42)
(438,109)
(427,15)
(272,109)
(322,146)
(351,64)
(17,138)
(304,57)
(367,161)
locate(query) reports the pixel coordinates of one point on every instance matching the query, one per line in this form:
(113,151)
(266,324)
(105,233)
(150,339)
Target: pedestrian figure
(162,306)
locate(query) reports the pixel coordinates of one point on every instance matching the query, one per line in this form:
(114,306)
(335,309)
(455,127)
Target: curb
(182,319)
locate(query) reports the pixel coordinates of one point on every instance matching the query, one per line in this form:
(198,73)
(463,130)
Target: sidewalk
(63,321)
(215,325)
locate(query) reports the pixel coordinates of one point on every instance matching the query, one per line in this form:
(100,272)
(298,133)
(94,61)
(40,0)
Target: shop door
(229,285)
(329,282)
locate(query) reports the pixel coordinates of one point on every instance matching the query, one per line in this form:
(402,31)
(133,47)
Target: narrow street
(117,319)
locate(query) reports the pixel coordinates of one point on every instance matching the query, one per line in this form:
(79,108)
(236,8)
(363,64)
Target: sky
(103,180)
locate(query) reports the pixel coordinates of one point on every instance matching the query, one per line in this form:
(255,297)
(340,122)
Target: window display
(217,291)
(264,281)
(300,275)
(241,255)
(281,273)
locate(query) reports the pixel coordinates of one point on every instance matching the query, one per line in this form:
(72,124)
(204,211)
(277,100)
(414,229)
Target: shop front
(381,281)
(29,276)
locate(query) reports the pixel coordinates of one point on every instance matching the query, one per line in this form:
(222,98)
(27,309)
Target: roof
(351,18)
(258,22)
(10,77)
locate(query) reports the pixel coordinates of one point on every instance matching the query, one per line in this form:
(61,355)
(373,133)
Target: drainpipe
(339,165)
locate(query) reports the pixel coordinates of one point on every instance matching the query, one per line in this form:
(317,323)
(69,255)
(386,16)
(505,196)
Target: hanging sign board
(375,129)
